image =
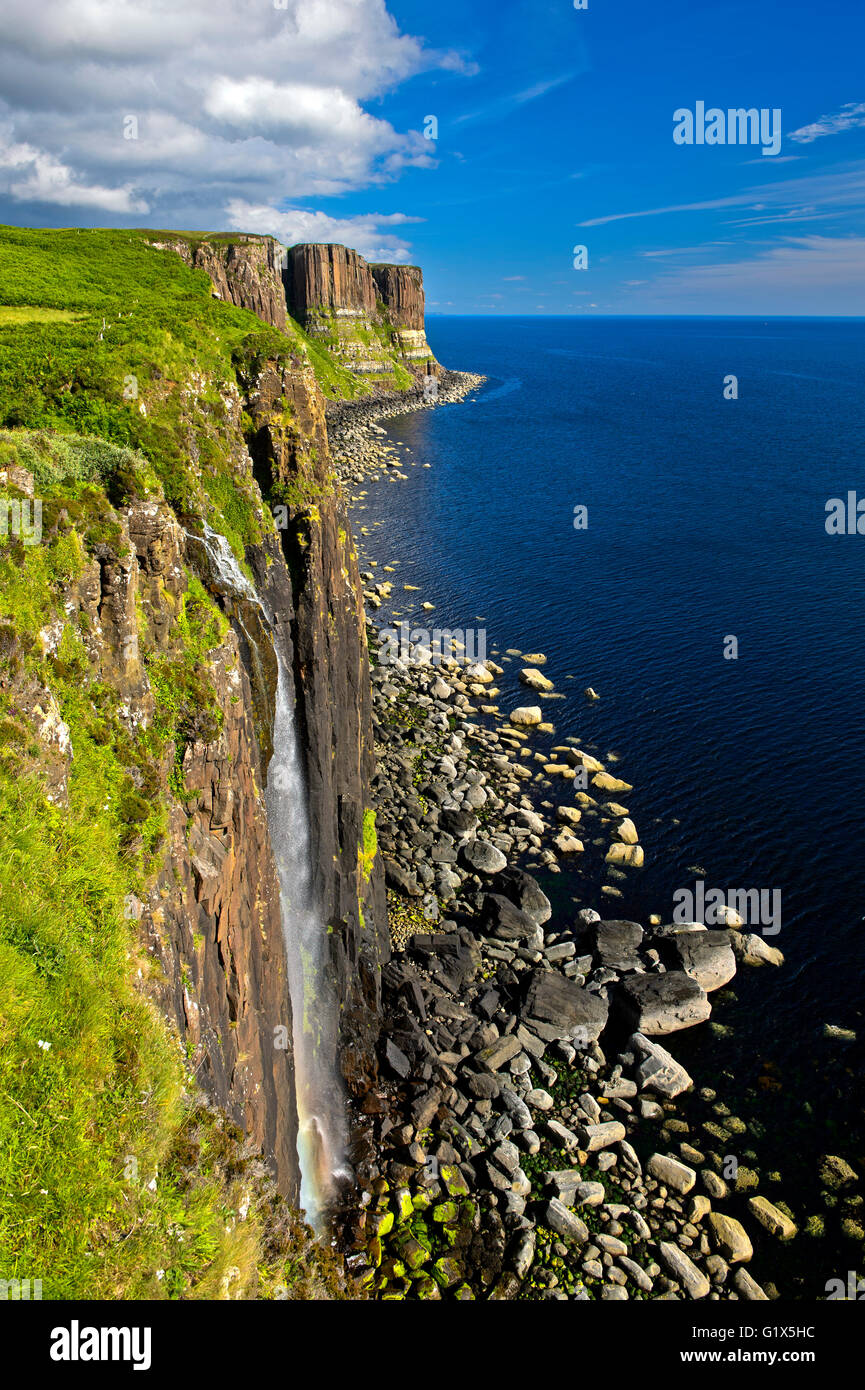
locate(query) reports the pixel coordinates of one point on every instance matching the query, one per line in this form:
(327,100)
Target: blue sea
(706,520)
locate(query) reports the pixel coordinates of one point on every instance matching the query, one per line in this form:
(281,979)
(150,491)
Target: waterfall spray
(320,1110)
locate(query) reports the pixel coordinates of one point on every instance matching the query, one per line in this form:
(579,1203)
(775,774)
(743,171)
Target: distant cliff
(371,317)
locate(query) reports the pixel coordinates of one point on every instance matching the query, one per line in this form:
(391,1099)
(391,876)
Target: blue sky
(519,175)
(305,118)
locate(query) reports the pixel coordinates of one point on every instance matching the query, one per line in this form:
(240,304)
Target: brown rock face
(401,289)
(330,278)
(334,702)
(246,272)
(213,920)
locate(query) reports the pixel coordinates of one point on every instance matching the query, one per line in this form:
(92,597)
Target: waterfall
(321,1119)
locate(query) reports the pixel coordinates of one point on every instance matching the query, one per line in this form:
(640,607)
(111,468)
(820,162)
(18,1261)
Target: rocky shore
(527,1139)
(357,438)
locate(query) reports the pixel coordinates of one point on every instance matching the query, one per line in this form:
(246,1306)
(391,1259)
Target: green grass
(10,315)
(145,362)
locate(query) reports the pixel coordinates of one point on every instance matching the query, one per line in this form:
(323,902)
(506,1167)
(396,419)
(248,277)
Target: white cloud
(233,99)
(364,233)
(34,176)
(851,116)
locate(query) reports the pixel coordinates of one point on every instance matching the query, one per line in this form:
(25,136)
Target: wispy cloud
(503,105)
(842,188)
(785,278)
(850,117)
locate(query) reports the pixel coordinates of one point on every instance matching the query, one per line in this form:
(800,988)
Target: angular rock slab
(616,944)
(503,919)
(557,1001)
(660,1004)
(693,1281)
(659,1071)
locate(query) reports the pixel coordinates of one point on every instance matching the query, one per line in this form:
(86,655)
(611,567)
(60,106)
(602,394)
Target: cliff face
(308,578)
(371,317)
(246,271)
(212,917)
(321,279)
(292,461)
(187,661)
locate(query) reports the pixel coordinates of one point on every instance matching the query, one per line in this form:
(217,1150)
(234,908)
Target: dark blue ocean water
(706,519)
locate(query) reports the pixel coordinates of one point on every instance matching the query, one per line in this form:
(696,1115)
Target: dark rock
(497,1053)
(526,893)
(461,824)
(617,944)
(658,1004)
(560,1003)
(503,919)
(400,879)
(396,1059)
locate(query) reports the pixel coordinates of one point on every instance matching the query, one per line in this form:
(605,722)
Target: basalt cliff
(164,404)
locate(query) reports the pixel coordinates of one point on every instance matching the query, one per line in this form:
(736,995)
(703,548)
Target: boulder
(683,1269)
(566,843)
(776,1222)
(527,894)
(659,1004)
(671,1173)
(731,1238)
(627,832)
(483,857)
(631,855)
(534,680)
(400,879)
(571,1188)
(461,824)
(479,675)
(526,715)
(748,1288)
(616,944)
(503,919)
(396,1059)
(753,950)
(595,1137)
(707,956)
(498,1052)
(553,999)
(556,1216)
(606,783)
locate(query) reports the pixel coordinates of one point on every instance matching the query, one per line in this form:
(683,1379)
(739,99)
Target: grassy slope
(113,1183)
